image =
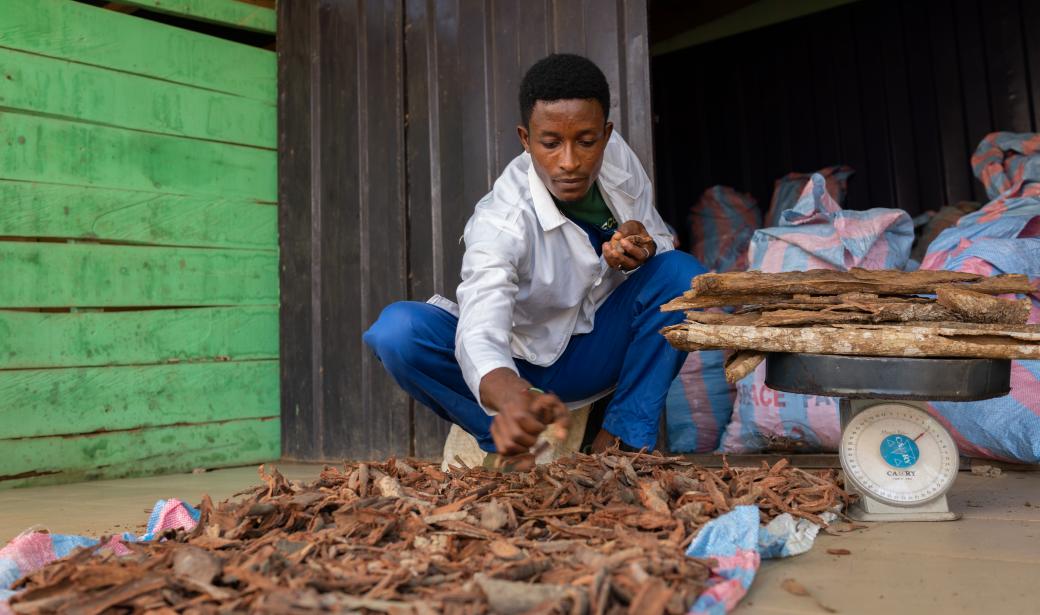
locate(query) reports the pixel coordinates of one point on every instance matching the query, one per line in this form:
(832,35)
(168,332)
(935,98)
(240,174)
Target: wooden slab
(44,149)
(138,452)
(83,275)
(68,89)
(92,35)
(140,337)
(33,209)
(233,13)
(47,402)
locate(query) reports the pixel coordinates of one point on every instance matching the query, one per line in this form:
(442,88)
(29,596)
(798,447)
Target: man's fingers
(632,250)
(637,249)
(561,414)
(613,257)
(627,262)
(509,438)
(531,424)
(632,227)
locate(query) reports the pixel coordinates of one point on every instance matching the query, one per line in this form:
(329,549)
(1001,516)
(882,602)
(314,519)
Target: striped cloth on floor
(34,549)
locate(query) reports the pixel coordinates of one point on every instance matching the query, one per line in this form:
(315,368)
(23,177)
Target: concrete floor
(988,562)
(116,506)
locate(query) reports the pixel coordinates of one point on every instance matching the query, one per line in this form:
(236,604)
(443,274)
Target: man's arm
(523,411)
(644,210)
(487,297)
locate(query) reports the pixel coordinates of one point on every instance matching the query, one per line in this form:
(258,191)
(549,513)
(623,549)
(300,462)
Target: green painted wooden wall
(138,242)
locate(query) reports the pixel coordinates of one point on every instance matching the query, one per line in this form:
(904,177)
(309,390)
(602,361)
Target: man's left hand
(630,247)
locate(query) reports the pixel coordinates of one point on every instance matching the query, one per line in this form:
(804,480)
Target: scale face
(898,454)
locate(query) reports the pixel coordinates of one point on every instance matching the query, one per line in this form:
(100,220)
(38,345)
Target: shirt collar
(550,216)
(611,177)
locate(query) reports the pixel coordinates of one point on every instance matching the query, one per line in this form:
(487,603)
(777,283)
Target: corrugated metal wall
(395,118)
(901,91)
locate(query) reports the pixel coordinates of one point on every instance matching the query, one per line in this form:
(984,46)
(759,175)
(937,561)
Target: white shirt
(530,277)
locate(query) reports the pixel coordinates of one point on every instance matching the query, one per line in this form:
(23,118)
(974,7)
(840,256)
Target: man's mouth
(570,181)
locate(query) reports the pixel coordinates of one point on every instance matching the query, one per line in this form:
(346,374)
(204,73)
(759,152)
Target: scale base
(869,509)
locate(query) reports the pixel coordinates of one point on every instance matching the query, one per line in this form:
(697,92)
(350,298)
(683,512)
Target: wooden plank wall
(253,15)
(395,119)
(138,247)
(901,91)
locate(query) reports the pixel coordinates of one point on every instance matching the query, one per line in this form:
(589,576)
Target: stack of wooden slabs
(859,312)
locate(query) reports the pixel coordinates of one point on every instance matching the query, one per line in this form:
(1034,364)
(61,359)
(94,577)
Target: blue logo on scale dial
(899,451)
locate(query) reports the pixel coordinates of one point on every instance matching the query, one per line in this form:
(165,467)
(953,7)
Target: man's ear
(521,130)
(608,130)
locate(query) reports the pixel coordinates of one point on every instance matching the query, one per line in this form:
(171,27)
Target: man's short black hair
(563,76)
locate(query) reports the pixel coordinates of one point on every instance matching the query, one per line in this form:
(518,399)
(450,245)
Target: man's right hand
(523,414)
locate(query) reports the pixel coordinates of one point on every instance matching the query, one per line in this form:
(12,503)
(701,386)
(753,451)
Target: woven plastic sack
(815,234)
(788,189)
(1006,161)
(1002,237)
(33,550)
(699,404)
(818,234)
(721,225)
(700,401)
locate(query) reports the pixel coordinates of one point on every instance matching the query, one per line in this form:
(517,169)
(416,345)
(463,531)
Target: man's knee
(676,269)
(394,335)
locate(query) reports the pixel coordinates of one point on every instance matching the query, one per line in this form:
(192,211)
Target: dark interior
(901,91)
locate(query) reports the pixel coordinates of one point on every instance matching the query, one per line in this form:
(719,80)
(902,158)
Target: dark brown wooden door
(395,119)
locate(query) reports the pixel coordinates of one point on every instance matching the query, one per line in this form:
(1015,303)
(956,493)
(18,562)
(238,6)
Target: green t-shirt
(591,209)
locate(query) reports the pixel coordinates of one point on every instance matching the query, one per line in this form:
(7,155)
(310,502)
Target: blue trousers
(416,343)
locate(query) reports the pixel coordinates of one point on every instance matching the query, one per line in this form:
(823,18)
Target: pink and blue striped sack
(1008,165)
(1005,162)
(1002,237)
(33,550)
(788,189)
(738,543)
(699,403)
(721,225)
(816,234)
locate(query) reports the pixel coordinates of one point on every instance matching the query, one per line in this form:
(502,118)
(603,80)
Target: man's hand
(523,414)
(630,247)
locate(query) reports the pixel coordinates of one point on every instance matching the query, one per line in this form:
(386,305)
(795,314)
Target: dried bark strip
(690,300)
(842,313)
(976,307)
(742,363)
(868,340)
(464,542)
(826,282)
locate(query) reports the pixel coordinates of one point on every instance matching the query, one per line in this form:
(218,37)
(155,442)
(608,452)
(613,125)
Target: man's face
(566,139)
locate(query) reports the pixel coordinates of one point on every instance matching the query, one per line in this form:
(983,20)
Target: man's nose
(569,161)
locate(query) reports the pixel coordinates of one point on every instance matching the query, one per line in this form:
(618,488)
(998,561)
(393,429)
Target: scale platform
(898,458)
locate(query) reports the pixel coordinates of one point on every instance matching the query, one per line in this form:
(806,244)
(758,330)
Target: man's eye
(550,145)
(588,143)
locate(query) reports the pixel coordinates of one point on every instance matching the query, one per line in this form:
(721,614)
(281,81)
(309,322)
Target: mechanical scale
(896,456)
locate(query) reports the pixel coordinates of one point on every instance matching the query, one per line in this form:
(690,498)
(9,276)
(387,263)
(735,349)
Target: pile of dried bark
(588,534)
(860,312)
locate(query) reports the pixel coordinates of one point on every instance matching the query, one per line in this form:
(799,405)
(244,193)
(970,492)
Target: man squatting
(566,265)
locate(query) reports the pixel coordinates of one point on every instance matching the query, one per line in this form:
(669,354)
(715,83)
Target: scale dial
(898,454)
